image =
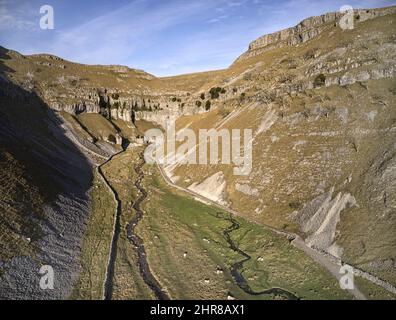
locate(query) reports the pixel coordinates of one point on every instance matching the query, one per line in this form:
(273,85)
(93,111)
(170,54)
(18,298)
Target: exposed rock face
(47,229)
(268,120)
(307,30)
(116,92)
(127,106)
(119,92)
(246,189)
(324,130)
(213,188)
(319,219)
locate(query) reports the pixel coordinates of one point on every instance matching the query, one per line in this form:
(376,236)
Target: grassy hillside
(308,141)
(187,251)
(44,193)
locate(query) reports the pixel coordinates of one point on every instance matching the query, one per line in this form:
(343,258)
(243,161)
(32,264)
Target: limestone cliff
(309,29)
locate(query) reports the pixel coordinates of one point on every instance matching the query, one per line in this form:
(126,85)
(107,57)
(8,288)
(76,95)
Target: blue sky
(163,37)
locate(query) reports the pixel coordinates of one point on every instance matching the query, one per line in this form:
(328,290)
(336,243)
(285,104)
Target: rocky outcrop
(62,176)
(247,190)
(307,30)
(213,188)
(319,219)
(124,105)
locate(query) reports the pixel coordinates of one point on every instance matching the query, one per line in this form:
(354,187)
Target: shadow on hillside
(38,160)
(32,133)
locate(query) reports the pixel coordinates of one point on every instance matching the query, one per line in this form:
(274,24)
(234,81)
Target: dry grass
(96,244)
(128,283)
(20,209)
(176,225)
(372,291)
(97,126)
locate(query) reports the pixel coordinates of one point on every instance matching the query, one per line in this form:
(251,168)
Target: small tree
(320,80)
(208,105)
(215,92)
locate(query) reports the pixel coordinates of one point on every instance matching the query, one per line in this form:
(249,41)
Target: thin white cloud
(219,18)
(115,35)
(17,15)
(171,37)
(236,3)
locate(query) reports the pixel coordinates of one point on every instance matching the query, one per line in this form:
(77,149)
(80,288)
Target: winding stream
(237,266)
(137,242)
(133,238)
